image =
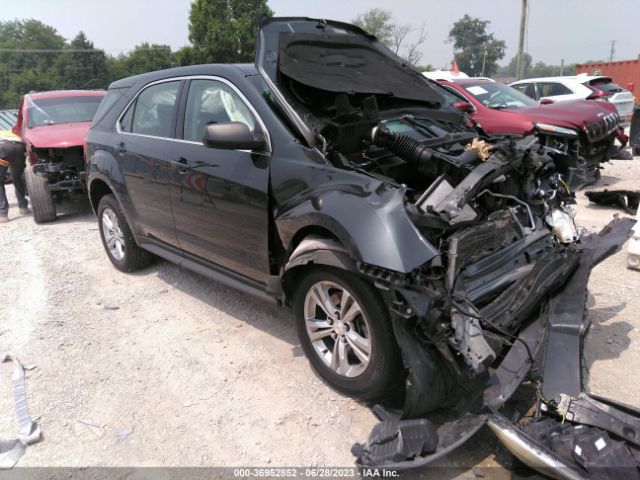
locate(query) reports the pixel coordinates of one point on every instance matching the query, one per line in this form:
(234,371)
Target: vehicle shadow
(605,181)
(271,319)
(605,341)
(74,210)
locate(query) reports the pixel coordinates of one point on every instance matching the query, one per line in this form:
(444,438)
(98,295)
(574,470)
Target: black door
(146,145)
(220,197)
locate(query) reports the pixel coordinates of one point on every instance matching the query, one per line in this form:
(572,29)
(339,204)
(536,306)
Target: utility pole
(613,50)
(562,67)
(484,59)
(523,26)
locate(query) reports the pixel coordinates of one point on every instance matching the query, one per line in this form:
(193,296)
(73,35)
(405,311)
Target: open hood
(297,56)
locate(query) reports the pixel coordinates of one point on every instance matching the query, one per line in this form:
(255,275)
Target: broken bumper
(582,436)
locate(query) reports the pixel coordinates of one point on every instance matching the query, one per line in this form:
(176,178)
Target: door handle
(120,148)
(181,164)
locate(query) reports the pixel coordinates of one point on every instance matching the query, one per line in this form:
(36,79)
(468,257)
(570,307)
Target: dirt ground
(180,371)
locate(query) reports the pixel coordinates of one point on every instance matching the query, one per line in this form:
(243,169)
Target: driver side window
(212,101)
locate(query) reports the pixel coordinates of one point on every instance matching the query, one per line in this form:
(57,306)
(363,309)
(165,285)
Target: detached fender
(369,221)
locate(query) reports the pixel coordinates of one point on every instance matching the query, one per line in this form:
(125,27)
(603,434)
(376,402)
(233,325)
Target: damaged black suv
(333,178)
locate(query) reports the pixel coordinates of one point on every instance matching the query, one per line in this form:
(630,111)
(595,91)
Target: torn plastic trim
(29,431)
(450,435)
(562,368)
(322,251)
(531,452)
(587,410)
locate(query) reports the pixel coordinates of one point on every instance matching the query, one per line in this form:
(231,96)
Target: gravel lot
(184,372)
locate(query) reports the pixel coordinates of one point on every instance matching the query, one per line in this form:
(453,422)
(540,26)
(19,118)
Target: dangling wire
(478,316)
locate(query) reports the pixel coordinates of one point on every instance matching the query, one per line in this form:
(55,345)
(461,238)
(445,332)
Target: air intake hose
(414,152)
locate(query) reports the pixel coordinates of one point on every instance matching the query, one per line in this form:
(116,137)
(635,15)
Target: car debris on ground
(28,430)
(627,200)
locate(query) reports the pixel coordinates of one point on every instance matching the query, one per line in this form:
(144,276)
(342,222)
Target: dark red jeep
(579,134)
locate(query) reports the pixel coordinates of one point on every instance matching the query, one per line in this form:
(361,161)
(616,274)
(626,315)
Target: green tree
(474,47)
(82,66)
(29,49)
(148,58)
(541,69)
(116,68)
(223,31)
(404,40)
(377,22)
(509,70)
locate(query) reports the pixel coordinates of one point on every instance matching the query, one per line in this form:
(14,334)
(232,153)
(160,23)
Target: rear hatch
(615,94)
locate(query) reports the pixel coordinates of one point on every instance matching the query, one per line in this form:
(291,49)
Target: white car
(583,86)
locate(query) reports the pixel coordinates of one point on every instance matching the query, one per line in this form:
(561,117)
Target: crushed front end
(63,168)
(471,244)
(578,153)
(504,301)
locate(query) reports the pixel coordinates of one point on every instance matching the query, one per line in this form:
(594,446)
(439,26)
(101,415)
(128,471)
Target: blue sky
(576,30)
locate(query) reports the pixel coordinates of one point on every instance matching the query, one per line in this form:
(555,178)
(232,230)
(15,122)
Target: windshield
(497,95)
(51,111)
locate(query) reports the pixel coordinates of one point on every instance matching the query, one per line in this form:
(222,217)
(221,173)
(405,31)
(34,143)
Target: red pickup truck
(53,126)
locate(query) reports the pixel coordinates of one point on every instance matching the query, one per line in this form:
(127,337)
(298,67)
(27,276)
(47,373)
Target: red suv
(579,134)
(53,126)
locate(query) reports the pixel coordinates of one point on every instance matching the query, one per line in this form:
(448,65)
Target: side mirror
(463,107)
(232,136)
(546,101)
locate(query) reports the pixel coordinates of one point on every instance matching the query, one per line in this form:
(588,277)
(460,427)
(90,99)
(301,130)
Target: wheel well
(98,190)
(310,230)
(291,277)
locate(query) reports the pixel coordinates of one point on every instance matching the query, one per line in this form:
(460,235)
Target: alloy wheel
(338,328)
(113,236)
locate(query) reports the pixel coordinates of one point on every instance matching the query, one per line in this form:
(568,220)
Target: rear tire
(117,237)
(42,204)
(368,374)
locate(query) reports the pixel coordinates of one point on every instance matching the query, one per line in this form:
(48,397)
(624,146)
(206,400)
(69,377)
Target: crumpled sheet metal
(564,339)
(28,431)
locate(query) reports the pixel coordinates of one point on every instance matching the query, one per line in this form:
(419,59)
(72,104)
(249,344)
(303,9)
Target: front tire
(345,331)
(117,237)
(42,203)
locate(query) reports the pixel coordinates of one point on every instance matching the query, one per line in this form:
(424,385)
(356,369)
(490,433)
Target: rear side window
(526,88)
(551,89)
(107,104)
(152,111)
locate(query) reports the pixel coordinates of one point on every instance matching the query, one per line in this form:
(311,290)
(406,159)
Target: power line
(70,50)
(47,50)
